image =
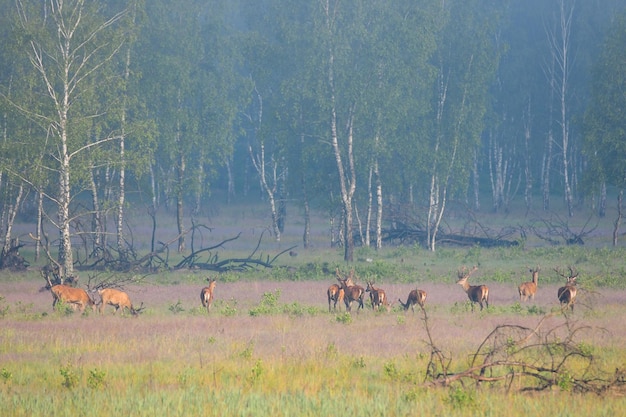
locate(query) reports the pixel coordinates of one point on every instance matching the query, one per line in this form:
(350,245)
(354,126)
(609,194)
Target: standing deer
(415,297)
(567,294)
(75,297)
(476,293)
(118,299)
(206,295)
(378,298)
(335,294)
(529,289)
(351,292)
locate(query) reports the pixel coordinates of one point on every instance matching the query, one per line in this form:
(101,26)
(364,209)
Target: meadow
(270,347)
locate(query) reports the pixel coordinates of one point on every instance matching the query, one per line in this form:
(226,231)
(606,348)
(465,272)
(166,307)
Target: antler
(139,309)
(572,272)
(463,273)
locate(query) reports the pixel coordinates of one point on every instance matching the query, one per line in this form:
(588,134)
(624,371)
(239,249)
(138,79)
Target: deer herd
(346,291)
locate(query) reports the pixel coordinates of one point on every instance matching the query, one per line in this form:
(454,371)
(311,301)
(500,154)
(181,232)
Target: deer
(529,289)
(351,292)
(415,297)
(335,294)
(206,295)
(118,299)
(567,294)
(378,297)
(75,297)
(476,293)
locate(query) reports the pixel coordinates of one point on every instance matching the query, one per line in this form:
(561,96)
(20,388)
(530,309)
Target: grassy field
(270,347)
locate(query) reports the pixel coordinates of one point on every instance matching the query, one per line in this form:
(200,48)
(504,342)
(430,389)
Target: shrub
(344,318)
(70,378)
(6,375)
(176,308)
(460,398)
(96,378)
(267,305)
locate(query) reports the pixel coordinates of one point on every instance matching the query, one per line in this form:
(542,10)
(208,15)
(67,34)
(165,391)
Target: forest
(370,112)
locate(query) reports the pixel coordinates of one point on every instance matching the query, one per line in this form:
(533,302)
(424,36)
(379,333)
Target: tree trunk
(306,235)
(259,164)
(347,184)
(602,202)
(528,176)
(368,220)
(230,193)
(179,204)
(39,233)
(96,221)
(379,208)
(618,221)
(476,182)
(12,211)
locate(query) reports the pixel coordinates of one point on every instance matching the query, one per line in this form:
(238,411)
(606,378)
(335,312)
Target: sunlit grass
(268,348)
(272,364)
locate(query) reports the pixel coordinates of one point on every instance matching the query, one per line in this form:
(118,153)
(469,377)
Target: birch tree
(605,118)
(559,41)
(69,47)
(467,62)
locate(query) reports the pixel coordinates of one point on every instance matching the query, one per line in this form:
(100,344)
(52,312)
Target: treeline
(341,106)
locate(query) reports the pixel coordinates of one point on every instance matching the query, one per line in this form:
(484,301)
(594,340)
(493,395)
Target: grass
(270,347)
(263,359)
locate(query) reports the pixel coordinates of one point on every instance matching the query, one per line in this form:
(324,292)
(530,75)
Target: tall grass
(269,348)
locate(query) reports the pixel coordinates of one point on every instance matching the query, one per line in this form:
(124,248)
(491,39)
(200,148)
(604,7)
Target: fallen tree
(536,358)
(204,258)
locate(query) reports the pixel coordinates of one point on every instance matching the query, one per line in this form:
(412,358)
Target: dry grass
(270,364)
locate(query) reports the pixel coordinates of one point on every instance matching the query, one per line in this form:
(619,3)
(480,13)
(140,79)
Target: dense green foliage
(429,101)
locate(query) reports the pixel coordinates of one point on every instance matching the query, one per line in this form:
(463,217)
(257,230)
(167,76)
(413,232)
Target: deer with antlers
(476,293)
(415,297)
(567,294)
(351,292)
(206,295)
(378,298)
(529,289)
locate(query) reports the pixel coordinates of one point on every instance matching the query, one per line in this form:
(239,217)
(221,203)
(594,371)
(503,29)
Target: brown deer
(529,289)
(476,293)
(378,298)
(118,299)
(75,297)
(351,292)
(415,297)
(335,294)
(206,295)
(567,294)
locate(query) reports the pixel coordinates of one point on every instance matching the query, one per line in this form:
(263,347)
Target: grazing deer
(476,293)
(118,299)
(351,292)
(529,289)
(567,294)
(75,297)
(378,297)
(415,297)
(206,295)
